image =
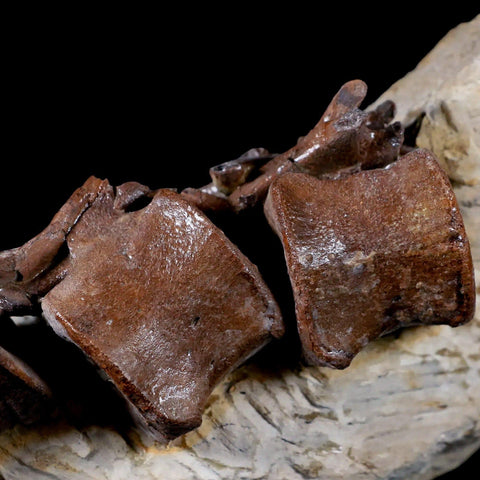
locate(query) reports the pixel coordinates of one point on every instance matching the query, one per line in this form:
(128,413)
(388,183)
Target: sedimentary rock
(441,98)
(451,126)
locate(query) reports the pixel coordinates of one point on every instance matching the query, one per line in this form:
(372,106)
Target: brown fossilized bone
(158,298)
(346,139)
(165,305)
(30,271)
(227,176)
(370,253)
(24,397)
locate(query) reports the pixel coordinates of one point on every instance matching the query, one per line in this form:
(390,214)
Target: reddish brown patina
(370,253)
(163,303)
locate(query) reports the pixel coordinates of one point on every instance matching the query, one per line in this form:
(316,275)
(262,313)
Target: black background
(159,97)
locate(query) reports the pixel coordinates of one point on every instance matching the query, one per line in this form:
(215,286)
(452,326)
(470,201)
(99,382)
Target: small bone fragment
(24,397)
(31,270)
(226,177)
(229,175)
(207,198)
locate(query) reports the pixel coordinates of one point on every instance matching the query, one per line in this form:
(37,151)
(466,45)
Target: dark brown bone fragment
(163,303)
(30,271)
(226,177)
(345,139)
(229,175)
(370,253)
(207,198)
(24,397)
